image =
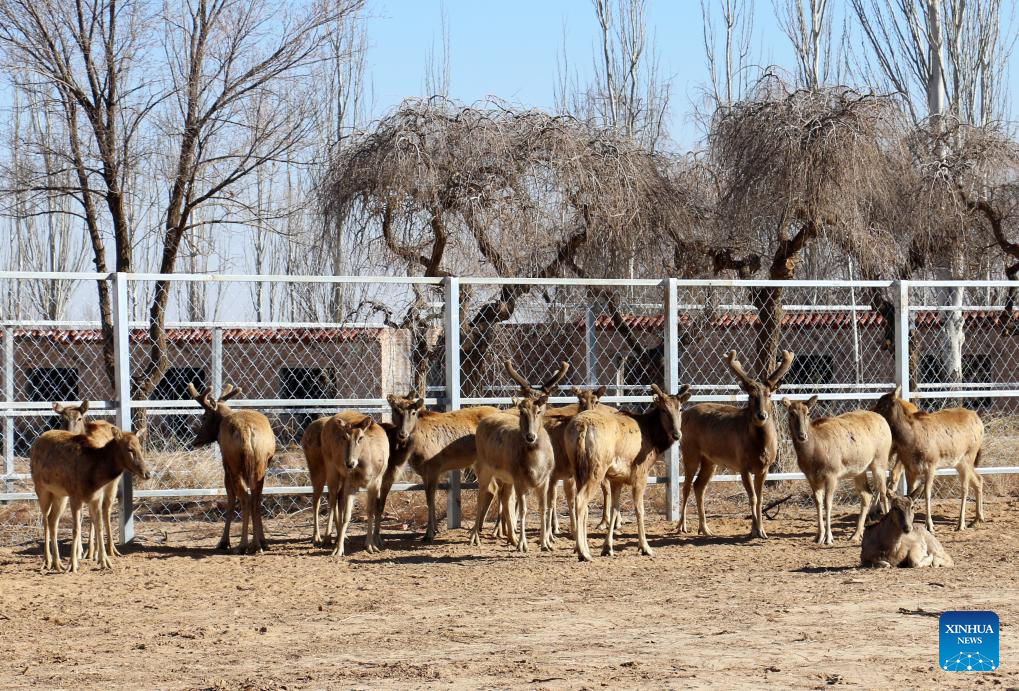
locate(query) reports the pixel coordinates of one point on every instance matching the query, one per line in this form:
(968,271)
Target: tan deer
(73,419)
(924,442)
(555,420)
(311,444)
(247,445)
(515,450)
(896,541)
(830,448)
(741,438)
(76,468)
(356,453)
(433,444)
(620,447)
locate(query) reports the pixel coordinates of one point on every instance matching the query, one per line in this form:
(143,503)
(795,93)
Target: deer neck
(651,430)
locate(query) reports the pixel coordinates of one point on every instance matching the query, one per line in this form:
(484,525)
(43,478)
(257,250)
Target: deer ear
(364,424)
(541,400)
(420,404)
(575,390)
(602,390)
(390,399)
(812,402)
(898,391)
(58,409)
(786,402)
(84,406)
(142,433)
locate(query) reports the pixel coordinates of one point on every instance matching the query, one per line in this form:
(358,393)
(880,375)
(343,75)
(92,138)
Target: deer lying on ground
(77,468)
(896,541)
(620,447)
(741,438)
(830,448)
(515,450)
(433,444)
(72,419)
(311,443)
(247,445)
(555,421)
(924,442)
(356,453)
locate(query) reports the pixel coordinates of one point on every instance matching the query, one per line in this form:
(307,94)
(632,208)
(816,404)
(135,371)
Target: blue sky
(511,49)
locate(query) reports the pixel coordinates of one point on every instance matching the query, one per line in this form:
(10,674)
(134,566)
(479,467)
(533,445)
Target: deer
(620,447)
(76,468)
(896,541)
(311,444)
(924,442)
(830,448)
(433,444)
(73,419)
(555,420)
(247,445)
(741,438)
(355,450)
(515,450)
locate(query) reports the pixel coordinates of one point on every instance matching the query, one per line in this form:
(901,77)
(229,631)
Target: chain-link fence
(303,347)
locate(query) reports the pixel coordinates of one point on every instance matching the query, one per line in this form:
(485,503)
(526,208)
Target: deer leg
(553,505)
(748,487)
(546,526)
(688,476)
(431,486)
(759,479)
(231,506)
(606,497)
(57,507)
(584,493)
(91,553)
(522,508)
(866,498)
(76,534)
(371,499)
(45,504)
(608,547)
(316,500)
(928,487)
(638,489)
(111,544)
(964,483)
(700,486)
(978,485)
(346,505)
(258,532)
(387,484)
(818,493)
(95,509)
(485,496)
(570,490)
(831,484)
(244,497)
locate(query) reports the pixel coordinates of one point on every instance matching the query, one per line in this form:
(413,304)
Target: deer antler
(549,386)
(230,391)
(658,391)
(525,388)
(201,398)
(737,368)
(775,378)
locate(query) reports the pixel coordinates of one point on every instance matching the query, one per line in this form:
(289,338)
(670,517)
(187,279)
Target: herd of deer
(532,446)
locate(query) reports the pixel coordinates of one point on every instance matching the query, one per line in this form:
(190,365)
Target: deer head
(72,417)
(760,392)
(406,411)
(215,411)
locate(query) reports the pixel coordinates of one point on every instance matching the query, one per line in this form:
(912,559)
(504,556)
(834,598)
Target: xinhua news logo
(968,641)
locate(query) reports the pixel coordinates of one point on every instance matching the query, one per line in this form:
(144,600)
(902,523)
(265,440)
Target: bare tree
(808,25)
(215,106)
(731,69)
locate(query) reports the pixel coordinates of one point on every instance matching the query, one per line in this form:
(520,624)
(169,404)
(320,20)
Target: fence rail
(303,346)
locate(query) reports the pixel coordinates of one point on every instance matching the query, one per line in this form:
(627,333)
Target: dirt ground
(718,612)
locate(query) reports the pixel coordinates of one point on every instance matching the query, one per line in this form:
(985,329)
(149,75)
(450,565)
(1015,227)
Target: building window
(812,369)
(174,384)
(931,369)
(301,382)
(977,369)
(53,384)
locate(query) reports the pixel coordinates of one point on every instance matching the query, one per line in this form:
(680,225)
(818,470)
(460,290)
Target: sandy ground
(720,612)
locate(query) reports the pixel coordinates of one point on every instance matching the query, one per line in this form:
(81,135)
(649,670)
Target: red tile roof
(802,319)
(193,335)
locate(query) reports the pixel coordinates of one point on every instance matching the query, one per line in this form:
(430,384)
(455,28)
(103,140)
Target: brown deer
(247,445)
(311,443)
(924,442)
(555,420)
(515,449)
(830,448)
(72,419)
(620,447)
(741,438)
(77,468)
(433,444)
(896,541)
(356,453)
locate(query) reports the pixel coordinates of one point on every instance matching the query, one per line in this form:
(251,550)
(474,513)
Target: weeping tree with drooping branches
(499,191)
(802,168)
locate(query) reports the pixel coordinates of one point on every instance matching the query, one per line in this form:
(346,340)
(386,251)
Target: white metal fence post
(217,361)
(122,371)
(591,346)
(902,350)
(9,397)
(452,331)
(671,342)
